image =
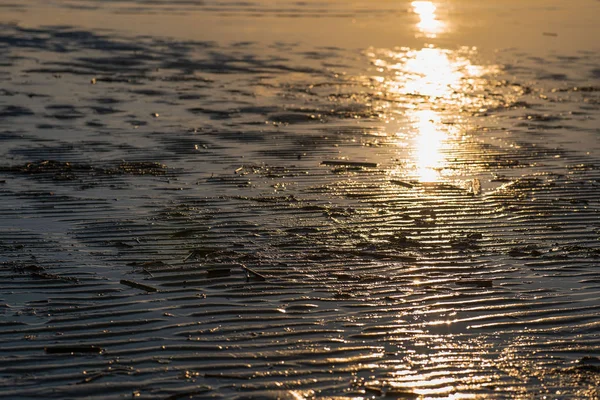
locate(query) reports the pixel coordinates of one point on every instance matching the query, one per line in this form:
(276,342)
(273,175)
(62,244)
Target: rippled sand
(299,200)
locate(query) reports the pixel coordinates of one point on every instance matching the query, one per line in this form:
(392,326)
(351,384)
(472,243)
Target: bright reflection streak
(428,145)
(434,84)
(433,73)
(429,25)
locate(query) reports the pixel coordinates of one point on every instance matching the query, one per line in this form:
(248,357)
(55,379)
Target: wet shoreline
(212,219)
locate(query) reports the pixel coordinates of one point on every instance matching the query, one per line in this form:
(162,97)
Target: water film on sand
(209,219)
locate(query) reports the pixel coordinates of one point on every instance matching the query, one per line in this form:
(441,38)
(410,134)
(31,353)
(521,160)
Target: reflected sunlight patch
(429,141)
(432,72)
(432,85)
(429,25)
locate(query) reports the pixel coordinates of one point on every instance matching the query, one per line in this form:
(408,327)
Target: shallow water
(413,189)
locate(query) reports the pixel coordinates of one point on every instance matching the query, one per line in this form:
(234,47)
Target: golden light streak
(428,24)
(429,142)
(431,82)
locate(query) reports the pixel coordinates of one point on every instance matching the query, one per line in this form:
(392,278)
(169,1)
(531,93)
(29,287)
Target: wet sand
(299,200)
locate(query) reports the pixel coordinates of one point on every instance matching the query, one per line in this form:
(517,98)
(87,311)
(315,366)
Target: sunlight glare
(429,141)
(428,25)
(430,82)
(432,73)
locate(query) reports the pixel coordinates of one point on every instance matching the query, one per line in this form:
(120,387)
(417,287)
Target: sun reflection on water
(428,24)
(433,72)
(429,96)
(428,145)
(433,85)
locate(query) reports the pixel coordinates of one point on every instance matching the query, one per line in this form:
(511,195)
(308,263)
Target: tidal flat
(299,200)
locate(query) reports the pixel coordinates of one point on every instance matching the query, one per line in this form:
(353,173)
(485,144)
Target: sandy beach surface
(271,199)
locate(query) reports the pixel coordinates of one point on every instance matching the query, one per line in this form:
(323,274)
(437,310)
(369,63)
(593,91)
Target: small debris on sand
(82,349)
(484,283)
(332,163)
(138,285)
(64,170)
(250,272)
(402,183)
(44,275)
